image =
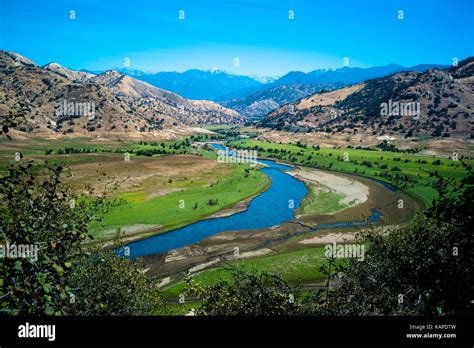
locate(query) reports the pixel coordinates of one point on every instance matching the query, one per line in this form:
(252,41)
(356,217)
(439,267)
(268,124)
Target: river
(271,207)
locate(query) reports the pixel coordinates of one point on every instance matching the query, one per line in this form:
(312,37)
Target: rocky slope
(56,99)
(258,104)
(186,111)
(69,74)
(432,103)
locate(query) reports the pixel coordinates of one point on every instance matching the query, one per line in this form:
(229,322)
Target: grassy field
(414,174)
(218,127)
(57,149)
(319,202)
(195,200)
(294,266)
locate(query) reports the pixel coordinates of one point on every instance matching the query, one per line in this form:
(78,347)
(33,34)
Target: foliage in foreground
(104,283)
(248,294)
(38,211)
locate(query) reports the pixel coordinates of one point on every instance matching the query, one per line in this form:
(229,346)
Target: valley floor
(166,184)
(295,250)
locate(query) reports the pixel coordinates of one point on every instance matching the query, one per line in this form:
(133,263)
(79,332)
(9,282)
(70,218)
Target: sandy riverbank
(354,192)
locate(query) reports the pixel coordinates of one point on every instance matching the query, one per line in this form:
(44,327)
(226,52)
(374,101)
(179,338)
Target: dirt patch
(328,98)
(164,282)
(342,237)
(204,265)
(162,192)
(255,253)
(131,230)
(330,238)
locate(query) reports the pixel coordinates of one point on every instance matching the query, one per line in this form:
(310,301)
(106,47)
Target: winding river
(271,207)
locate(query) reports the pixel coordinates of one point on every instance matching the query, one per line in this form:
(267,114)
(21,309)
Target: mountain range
(114,101)
(194,83)
(255,97)
(256,102)
(438,103)
(346,100)
(264,100)
(218,85)
(349,75)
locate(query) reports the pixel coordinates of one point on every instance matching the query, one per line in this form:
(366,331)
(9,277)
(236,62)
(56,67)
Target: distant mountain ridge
(262,101)
(258,101)
(350,75)
(254,96)
(194,83)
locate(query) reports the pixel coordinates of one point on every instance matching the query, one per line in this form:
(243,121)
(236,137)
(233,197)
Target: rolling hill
(80,76)
(261,102)
(59,100)
(438,103)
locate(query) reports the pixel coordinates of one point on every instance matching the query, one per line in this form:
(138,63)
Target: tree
(10,121)
(107,284)
(38,213)
(248,293)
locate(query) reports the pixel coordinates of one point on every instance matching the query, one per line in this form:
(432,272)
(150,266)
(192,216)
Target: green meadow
(412,173)
(195,200)
(321,202)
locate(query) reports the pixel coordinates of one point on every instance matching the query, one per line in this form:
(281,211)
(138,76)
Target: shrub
(248,293)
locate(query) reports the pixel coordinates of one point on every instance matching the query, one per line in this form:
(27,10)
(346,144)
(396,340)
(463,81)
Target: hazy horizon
(259,38)
(223,70)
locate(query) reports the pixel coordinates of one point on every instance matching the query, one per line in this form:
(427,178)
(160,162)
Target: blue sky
(259,33)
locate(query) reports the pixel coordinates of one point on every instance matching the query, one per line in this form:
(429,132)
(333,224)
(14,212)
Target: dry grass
(329,98)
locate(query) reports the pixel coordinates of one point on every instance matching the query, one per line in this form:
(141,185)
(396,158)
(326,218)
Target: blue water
(272,207)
